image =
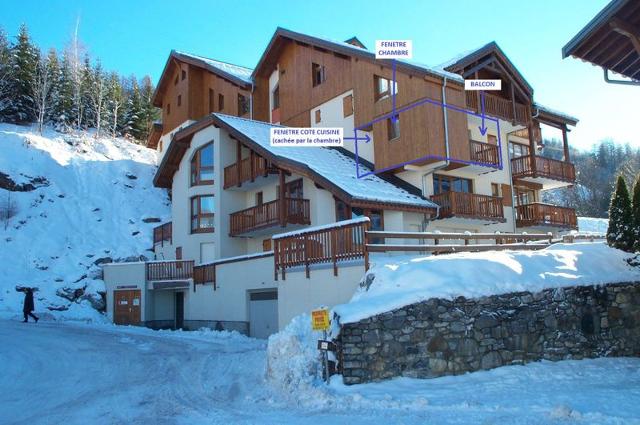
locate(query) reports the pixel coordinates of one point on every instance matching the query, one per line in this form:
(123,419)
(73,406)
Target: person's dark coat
(28,301)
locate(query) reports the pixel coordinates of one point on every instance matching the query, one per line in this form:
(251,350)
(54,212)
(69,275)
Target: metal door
(263,313)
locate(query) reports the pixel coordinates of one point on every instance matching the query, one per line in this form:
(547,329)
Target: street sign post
(320,322)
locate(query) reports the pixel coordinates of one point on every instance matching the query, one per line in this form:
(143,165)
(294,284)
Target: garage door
(126,307)
(263,313)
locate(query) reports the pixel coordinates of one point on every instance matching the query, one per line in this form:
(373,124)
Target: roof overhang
(269,57)
(175,57)
(611,39)
(182,140)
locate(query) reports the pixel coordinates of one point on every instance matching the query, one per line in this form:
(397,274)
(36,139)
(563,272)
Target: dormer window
(202,165)
(243,105)
(184,74)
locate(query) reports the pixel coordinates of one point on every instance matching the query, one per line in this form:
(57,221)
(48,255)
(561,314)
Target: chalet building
(260,234)
(612,41)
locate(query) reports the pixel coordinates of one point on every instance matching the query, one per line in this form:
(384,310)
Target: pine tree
(24,62)
(134,115)
(5,69)
(150,111)
(97,94)
(635,212)
(63,109)
(115,103)
(41,87)
(53,73)
(620,231)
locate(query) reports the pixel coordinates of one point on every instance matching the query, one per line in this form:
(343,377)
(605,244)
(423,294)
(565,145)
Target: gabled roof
(236,74)
(605,41)
(329,168)
(459,62)
(342,48)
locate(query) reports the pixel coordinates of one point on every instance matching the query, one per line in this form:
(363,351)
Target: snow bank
(396,281)
(592,225)
(293,361)
(88,209)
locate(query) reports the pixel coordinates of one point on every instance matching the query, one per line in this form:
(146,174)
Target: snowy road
(53,373)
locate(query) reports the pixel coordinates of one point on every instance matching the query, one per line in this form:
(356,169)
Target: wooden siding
(178,114)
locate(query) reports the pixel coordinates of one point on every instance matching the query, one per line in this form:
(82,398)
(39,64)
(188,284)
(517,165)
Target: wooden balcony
(484,153)
(542,215)
(162,234)
(249,169)
(296,211)
(499,107)
(345,241)
(469,205)
(170,270)
(545,171)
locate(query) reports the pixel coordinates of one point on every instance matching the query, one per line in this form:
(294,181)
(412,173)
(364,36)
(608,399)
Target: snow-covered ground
(91,206)
(592,225)
(395,281)
(53,373)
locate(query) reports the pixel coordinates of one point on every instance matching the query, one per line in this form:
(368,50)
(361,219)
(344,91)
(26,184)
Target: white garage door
(263,313)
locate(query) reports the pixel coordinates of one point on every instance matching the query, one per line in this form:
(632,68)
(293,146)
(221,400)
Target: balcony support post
(532,148)
(238,162)
(565,143)
(281,199)
(252,163)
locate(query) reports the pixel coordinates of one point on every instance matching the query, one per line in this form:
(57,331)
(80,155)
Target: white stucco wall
(126,276)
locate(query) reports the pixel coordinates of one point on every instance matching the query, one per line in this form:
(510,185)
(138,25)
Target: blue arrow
(393,91)
(483,129)
(366,139)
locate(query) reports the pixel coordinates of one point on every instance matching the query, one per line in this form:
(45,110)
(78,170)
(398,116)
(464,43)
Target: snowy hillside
(592,225)
(76,201)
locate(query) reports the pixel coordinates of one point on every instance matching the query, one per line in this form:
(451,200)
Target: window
(516,150)
(376,218)
(342,211)
(276,98)
(318,74)
(266,245)
(393,128)
(259,198)
(202,165)
(179,99)
(383,87)
(220,102)
(184,74)
(202,214)
(495,189)
(212,101)
(175,81)
(491,139)
(525,196)
(318,116)
(243,105)
(168,108)
(347,105)
(178,253)
(442,184)
(294,189)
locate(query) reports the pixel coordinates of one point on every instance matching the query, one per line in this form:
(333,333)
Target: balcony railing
(247,172)
(538,214)
(498,107)
(162,234)
(469,205)
(296,211)
(484,153)
(169,270)
(345,241)
(539,166)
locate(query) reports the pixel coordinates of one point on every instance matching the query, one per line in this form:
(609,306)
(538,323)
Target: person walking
(28,306)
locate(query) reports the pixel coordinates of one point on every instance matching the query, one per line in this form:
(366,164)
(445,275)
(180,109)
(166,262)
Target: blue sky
(136,37)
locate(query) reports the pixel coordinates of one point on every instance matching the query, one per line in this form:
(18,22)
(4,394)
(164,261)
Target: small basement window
(318,74)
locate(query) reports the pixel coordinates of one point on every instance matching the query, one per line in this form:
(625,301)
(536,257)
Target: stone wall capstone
(441,337)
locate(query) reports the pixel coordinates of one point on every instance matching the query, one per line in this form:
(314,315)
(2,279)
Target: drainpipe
(446,145)
(622,82)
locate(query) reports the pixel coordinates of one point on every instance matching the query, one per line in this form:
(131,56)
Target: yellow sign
(320,320)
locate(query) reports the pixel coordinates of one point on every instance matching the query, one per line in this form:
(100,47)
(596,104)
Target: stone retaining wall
(442,337)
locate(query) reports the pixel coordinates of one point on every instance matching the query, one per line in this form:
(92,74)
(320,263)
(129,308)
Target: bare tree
(75,52)
(41,85)
(7,210)
(4,88)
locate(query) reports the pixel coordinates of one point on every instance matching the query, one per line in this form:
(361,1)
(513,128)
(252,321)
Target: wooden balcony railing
(204,274)
(169,270)
(469,205)
(162,234)
(296,211)
(539,214)
(499,107)
(250,168)
(484,153)
(539,166)
(343,242)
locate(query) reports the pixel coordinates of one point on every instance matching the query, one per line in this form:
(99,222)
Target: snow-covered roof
(237,71)
(550,111)
(331,164)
